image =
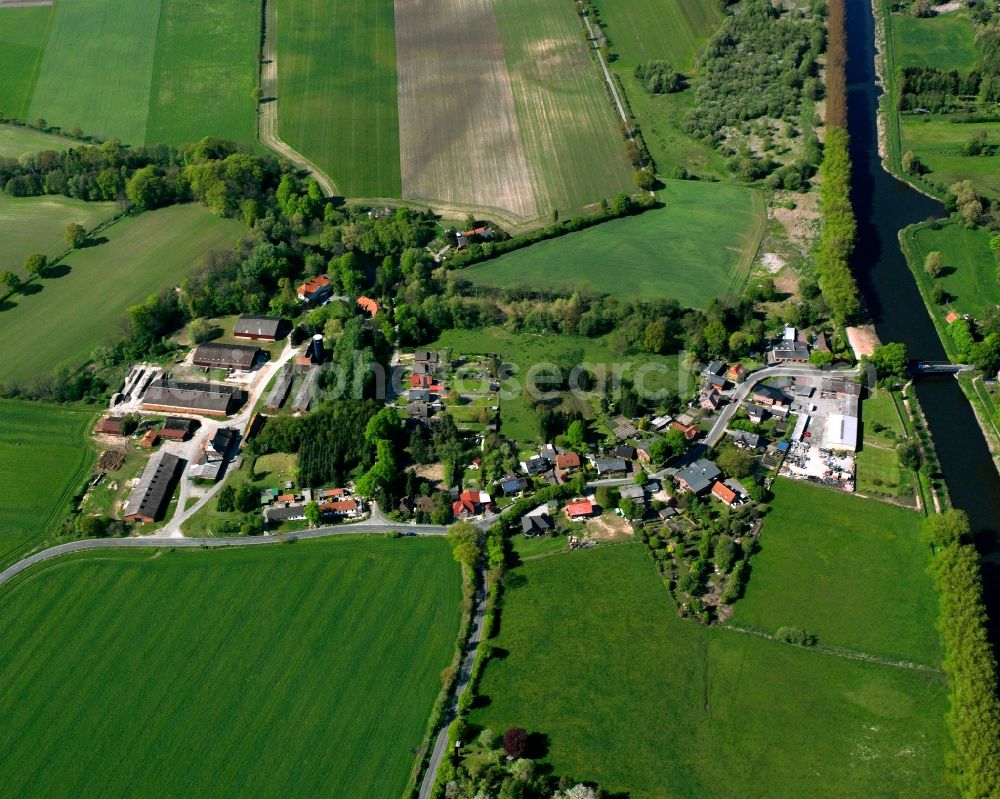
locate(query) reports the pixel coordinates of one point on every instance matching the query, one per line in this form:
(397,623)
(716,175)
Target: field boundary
(267,106)
(744,266)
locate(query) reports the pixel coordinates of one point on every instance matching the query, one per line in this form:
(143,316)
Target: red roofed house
(952,317)
(368,305)
(470,503)
(690,431)
(343,507)
(736,373)
(580,509)
(316,288)
(567,460)
(421,381)
(329,493)
(723,493)
(286,498)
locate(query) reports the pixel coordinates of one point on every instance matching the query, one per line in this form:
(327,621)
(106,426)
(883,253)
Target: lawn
(944,42)
(525,350)
(23,34)
(204,71)
(37,224)
(575,152)
(44,460)
(938,143)
(98,67)
(970,268)
(880,409)
(337,78)
(633,697)
(851,571)
(699,246)
(879,472)
(78,311)
(303,670)
(16,141)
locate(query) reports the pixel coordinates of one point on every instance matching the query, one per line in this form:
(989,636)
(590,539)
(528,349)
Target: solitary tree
(515,742)
(35,264)
(932,263)
(76,234)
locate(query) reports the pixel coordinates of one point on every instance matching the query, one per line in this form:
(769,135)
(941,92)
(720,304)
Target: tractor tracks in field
(267,107)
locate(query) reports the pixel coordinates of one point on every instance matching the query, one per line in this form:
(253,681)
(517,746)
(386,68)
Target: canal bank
(884,206)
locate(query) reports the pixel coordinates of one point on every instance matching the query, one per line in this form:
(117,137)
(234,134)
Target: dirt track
(459,137)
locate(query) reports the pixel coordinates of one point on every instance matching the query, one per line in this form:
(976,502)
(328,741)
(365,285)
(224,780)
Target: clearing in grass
(944,41)
(328,653)
(644,702)
(98,67)
(204,72)
(337,87)
(851,571)
(23,35)
(44,460)
(144,255)
(699,246)
(37,224)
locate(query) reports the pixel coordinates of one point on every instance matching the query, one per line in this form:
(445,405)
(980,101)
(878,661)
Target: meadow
(98,67)
(337,79)
(204,72)
(970,268)
(944,41)
(699,246)
(15,141)
(300,670)
(643,702)
(23,35)
(851,571)
(523,350)
(938,142)
(37,224)
(80,309)
(44,459)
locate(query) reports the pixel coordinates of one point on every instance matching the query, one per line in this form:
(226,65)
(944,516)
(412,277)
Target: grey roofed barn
(264,328)
(152,492)
(207,398)
(226,356)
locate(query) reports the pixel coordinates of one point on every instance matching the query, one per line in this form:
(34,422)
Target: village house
(567,461)
(606,466)
(536,464)
(633,492)
(471,503)
(643,450)
(743,439)
(698,477)
(368,305)
(789,350)
(626,451)
(725,494)
(711,400)
(736,373)
(315,289)
(770,396)
(257,328)
(716,382)
(660,423)
(340,508)
(535,525)
(756,413)
(689,431)
(714,369)
(285,513)
(513,485)
(579,509)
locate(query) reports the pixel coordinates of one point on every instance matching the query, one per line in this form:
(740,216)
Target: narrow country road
(369,527)
(464,673)
(267,119)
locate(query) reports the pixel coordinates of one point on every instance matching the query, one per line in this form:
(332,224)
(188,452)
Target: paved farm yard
(287,671)
(80,310)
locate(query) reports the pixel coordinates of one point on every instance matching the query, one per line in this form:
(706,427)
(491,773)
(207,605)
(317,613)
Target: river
(884,206)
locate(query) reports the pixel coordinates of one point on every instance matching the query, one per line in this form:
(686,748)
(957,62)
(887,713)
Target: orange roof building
(150,439)
(579,509)
(952,317)
(368,305)
(315,288)
(568,460)
(723,493)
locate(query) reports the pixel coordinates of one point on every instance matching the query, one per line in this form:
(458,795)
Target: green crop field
(44,459)
(204,71)
(97,68)
(970,268)
(938,143)
(294,671)
(144,255)
(16,141)
(652,373)
(37,224)
(641,701)
(23,34)
(851,571)
(337,79)
(669,30)
(699,246)
(944,42)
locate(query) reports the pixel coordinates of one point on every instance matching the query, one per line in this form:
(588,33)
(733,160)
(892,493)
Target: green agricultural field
(653,373)
(944,42)
(697,247)
(938,143)
(851,571)
(23,34)
(879,472)
(970,273)
(97,68)
(16,141)
(37,224)
(643,702)
(880,409)
(204,71)
(44,460)
(337,78)
(144,255)
(574,150)
(294,671)
(670,30)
